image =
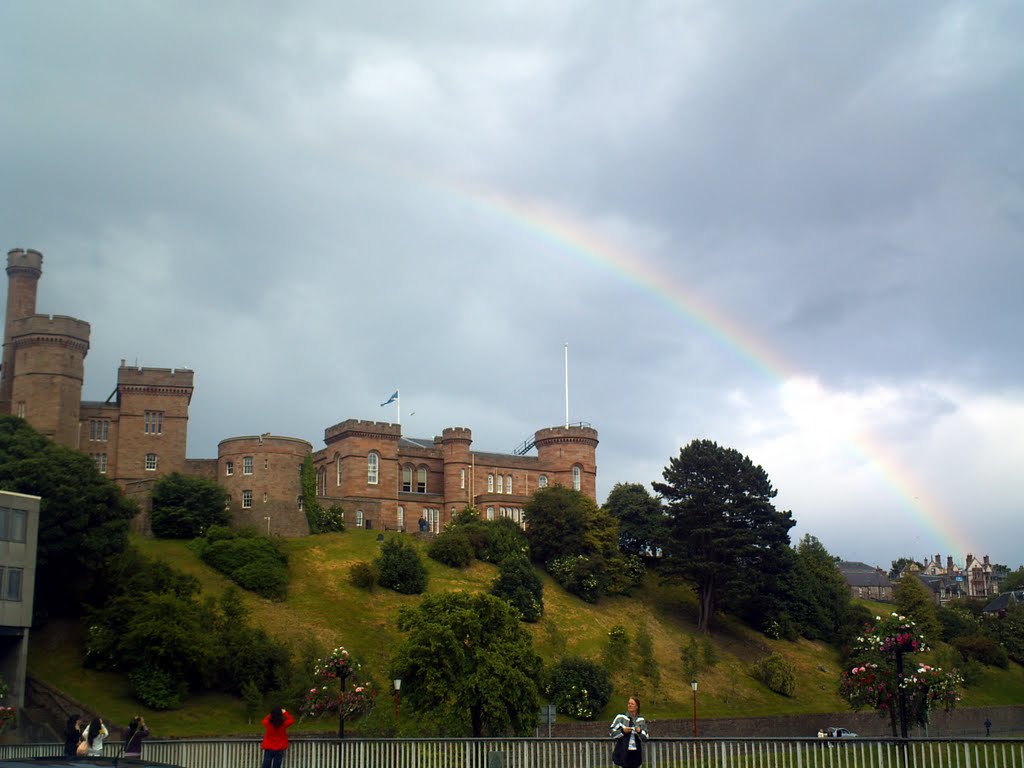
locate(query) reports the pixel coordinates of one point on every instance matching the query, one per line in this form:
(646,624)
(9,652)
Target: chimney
(949,563)
(986,559)
(938,559)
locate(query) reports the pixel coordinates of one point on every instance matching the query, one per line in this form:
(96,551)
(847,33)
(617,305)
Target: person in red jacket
(275,736)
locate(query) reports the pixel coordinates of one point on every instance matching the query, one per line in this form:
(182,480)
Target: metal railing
(576,753)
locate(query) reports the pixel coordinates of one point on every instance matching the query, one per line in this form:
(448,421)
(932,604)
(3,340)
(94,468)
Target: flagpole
(567,385)
(398,406)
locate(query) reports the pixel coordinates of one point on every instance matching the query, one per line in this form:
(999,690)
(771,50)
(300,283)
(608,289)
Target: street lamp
(693,685)
(398,693)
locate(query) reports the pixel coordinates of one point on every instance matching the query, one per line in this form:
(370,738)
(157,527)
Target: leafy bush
(616,648)
(502,538)
(401,567)
(519,585)
(184,506)
(363,575)
(579,575)
(579,688)
(253,562)
(156,688)
(982,648)
(777,673)
(453,548)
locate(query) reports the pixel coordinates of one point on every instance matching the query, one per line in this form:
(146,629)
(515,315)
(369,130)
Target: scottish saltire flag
(391,399)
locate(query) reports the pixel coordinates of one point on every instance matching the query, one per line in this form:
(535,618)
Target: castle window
(150,462)
(21,409)
(462,478)
(576,477)
(501,483)
(101,462)
(421,480)
(266,463)
(247,465)
(508,484)
(372,466)
(401,518)
(246,499)
(359,518)
(154,422)
(407,478)
(490,513)
(99,430)
(12,587)
(301,503)
(229,468)
(542,481)
(264,497)
(490,483)
(337,471)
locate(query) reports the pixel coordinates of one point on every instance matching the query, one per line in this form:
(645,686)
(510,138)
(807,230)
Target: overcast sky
(794,228)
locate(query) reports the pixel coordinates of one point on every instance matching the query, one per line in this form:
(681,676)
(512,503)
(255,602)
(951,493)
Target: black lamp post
(398,694)
(693,685)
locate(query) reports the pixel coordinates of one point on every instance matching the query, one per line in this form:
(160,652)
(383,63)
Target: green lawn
(323,606)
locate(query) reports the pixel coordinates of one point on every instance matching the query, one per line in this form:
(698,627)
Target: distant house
(1004,601)
(19,529)
(866,581)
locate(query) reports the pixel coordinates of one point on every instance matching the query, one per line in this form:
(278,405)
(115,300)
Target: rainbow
(571,236)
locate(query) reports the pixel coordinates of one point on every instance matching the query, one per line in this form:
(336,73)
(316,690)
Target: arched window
(359,518)
(542,481)
(372,464)
(576,477)
(508,484)
(501,483)
(337,470)
(407,478)
(150,462)
(490,483)
(421,480)
(401,518)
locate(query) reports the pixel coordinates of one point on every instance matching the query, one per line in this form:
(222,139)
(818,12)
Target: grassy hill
(322,606)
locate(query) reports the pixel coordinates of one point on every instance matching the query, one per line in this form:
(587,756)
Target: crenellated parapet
(381,430)
(60,330)
(24,262)
(574,433)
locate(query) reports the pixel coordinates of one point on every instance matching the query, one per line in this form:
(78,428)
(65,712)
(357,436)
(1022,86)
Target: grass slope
(324,607)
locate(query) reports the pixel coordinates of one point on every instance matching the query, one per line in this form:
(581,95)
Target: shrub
(452,548)
(184,506)
(777,673)
(253,562)
(645,650)
(502,539)
(400,567)
(579,688)
(157,689)
(363,575)
(577,574)
(982,648)
(616,648)
(519,585)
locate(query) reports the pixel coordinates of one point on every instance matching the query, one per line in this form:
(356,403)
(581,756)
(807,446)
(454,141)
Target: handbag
(619,752)
(83,748)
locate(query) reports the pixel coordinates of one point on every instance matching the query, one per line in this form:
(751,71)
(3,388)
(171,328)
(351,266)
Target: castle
(381,478)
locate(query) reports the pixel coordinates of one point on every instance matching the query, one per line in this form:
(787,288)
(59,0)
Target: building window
(246,499)
(542,481)
(101,462)
(359,518)
(21,409)
(401,518)
(501,483)
(247,465)
(490,513)
(12,586)
(407,478)
(154,422)
(266,462)
(490,483)
(13,523)
(508,484)
(462,478)
(264,497)
(421,480)
(337,471)
(229,468)
(99,430)
(576,478)
(150,462)
(302,504)
(372,465)
(323,482)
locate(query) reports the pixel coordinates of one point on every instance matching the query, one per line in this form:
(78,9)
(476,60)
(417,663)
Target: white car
(839,733)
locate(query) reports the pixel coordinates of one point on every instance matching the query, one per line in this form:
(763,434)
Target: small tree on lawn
(332,693)
(878,680)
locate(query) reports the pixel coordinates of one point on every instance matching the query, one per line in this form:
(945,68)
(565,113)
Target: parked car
(839,733)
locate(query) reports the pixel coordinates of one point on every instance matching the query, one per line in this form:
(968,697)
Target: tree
(1014,580)
(898,565)
(307,480)
(468,662)
(913,599)
(518,584)
(185,506)
(641,520)
(723,527)
(83,517)
(579,688)
(400,567)
(819,607)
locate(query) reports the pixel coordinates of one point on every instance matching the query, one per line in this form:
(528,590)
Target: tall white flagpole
(398,406)
(567,385)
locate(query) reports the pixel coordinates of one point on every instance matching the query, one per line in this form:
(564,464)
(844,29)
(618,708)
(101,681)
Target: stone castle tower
(43,358)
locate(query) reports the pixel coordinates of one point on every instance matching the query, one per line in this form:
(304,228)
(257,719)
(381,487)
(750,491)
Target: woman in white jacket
(94,734)
(629,731)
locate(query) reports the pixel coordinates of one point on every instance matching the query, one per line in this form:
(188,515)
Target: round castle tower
(568,453)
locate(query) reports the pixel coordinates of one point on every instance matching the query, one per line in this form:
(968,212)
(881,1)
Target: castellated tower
(44,356)
(458,478)
(570,454)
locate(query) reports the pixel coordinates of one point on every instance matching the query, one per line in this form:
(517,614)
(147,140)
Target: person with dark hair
(275,736)
(629,731)
(94,734)
(137,731)
(72,735)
